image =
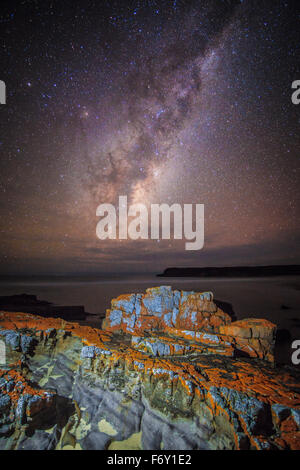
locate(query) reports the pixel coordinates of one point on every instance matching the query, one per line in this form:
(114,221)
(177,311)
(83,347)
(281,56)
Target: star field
(162,101)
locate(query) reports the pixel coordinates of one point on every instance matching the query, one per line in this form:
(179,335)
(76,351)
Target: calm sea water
(277,298)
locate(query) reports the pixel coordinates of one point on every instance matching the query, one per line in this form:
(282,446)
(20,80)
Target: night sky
(162,101)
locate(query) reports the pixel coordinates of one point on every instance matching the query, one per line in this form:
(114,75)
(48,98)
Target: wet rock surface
(169,370)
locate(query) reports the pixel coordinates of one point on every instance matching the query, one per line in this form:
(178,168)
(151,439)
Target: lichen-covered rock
(255,337)
(160,308)
(155,386)
(169,346)
(21,405)
(191,316)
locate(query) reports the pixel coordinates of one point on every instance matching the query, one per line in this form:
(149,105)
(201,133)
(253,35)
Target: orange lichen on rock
(252,336)
(23,386)
(21,400)
(25,321)
(159,346)
(244,376)
(160,307)
(191,316)
(250,328)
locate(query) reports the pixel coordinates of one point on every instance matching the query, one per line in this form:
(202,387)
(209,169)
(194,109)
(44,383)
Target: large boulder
(160,307)
(191,316)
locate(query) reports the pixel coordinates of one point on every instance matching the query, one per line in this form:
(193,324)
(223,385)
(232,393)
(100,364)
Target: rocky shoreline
(168,370)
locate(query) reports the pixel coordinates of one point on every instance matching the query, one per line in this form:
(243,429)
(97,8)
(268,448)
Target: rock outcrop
(192,317)
(169,370)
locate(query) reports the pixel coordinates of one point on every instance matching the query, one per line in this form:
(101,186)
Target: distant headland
(31,304)
(233,271)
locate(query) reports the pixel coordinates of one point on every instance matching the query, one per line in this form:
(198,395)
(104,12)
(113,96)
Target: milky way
(162,101)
